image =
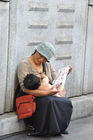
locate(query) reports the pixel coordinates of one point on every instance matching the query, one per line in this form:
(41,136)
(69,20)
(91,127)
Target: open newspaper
(61,77)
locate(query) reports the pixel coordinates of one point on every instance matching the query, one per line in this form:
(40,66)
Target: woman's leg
(52,115)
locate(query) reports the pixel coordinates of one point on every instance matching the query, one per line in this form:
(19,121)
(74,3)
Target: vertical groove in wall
(7,57)
(11,56)
(85,51)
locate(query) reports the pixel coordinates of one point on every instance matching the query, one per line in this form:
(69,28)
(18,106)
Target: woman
(52,114)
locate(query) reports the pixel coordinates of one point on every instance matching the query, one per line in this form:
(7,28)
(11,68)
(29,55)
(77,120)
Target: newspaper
(61,77)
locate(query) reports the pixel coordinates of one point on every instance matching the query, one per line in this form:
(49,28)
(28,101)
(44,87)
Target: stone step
(82,106)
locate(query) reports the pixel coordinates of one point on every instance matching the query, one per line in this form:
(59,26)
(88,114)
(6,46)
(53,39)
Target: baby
(33,82)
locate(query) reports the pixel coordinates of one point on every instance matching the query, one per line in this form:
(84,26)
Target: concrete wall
(66,24)
(62,23)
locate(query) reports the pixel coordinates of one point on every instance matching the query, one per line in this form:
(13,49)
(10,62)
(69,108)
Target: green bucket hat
(46,49)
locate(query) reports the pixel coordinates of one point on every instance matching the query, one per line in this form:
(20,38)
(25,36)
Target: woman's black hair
(31,81)
(34,52)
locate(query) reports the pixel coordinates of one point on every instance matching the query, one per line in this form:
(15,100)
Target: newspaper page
(61,77)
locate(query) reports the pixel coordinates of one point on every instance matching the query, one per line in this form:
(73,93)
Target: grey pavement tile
(81,129)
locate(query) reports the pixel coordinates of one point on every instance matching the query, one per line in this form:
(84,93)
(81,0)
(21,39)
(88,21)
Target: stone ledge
(82,106)
(10,124)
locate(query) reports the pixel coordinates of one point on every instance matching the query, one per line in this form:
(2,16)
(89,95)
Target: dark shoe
(65,132)
(32,133)
(30,127)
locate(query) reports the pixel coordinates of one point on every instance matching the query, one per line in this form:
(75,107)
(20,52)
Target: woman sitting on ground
(53,114)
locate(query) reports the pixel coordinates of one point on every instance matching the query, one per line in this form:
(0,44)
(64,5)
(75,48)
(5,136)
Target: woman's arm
(41,92)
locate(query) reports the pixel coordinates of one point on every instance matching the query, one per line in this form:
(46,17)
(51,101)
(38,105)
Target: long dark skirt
(52,115)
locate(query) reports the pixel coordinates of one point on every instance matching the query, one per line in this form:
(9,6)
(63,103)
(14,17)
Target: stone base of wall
(82,106)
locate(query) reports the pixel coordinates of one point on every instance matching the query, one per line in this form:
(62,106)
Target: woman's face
(39,58)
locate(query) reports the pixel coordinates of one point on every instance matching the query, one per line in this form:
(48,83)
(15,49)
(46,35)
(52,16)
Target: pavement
(80,129)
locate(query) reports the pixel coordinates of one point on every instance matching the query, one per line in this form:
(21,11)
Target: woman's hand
(50,92)
(62,92)
(70,69)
